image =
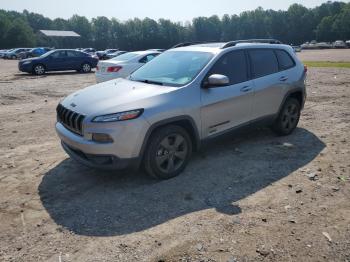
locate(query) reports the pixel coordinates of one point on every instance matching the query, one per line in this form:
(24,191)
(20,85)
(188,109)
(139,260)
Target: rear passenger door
(74,60)
(226,107)
(270,82)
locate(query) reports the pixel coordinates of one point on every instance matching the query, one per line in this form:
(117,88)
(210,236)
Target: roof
(223,45)
(59,33)
(217,47)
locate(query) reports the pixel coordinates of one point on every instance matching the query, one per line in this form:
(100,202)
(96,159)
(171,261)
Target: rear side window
(233,65)
(73,54)
(264,62)
(147,58)
(284,59)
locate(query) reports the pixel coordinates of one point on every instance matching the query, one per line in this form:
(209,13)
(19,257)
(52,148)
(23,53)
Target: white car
(122,66)
(339,44)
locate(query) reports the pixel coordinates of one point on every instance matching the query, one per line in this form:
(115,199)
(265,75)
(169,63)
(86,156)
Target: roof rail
(186,44)
(263,41)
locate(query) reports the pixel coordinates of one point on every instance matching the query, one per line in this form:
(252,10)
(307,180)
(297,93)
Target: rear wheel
(168,152)
(288,118)
(86,68)
(39,69)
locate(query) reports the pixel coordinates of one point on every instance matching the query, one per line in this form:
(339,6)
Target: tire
(85,68)
(168,152)
(38,69)
(13,57)
(288,117)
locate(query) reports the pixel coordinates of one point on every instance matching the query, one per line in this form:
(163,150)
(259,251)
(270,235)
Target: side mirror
(217,80)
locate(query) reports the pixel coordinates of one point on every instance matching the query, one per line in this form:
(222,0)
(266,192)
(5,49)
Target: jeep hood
(114,96)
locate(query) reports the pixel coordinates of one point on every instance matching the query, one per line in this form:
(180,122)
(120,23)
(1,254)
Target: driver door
(229,106)
(57,60)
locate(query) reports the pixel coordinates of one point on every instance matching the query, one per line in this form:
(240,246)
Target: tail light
(114,69)
(97,68)
(305,69)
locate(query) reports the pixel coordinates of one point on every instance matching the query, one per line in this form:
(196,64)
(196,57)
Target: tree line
(327,22)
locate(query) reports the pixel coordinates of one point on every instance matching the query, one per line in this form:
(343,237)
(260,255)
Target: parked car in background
(102,55)
(324,45)
(115,54)
(297,48)
(348,43)
(123,65)
(59,60)
(339,44)
(89,50)
(4,51)
(35,52)
(166,109)
(14,53)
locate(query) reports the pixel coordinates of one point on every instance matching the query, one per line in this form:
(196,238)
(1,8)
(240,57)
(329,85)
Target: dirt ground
(252,197)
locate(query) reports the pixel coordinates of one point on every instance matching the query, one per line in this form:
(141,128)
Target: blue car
(13,54)
(59,60)
(35,52)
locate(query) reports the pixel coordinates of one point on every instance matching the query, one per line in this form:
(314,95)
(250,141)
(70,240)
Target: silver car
(169,107)
(123,65)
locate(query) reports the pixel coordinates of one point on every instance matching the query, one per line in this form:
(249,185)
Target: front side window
(233,65)
(58,54)
(284,60)
(264,62)
(174,68)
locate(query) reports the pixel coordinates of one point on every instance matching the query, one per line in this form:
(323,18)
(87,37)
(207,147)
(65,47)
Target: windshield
(174,68)
(125,57)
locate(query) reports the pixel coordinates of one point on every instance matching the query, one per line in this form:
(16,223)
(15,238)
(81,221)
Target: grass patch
(327,64)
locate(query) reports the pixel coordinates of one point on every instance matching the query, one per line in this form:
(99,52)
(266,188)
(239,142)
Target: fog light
(101,138)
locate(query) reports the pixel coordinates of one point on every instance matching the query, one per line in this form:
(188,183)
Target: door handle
(283,78)
(246,89)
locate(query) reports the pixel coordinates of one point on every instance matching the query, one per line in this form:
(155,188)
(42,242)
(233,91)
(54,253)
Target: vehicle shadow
(95,203)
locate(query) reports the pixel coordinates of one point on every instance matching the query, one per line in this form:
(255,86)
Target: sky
(175,10)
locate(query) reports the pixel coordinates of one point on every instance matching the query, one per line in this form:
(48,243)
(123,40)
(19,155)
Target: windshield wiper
(147,81)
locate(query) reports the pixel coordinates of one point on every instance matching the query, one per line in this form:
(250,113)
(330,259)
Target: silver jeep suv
(191,93)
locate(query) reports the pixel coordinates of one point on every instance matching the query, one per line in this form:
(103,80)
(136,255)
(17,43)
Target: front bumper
(25,67)
(123,152)
(103,162)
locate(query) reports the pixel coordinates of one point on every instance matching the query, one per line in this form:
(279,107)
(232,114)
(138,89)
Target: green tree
(324,31)
(101,28)
(82,26)
(20,34)
(4,28)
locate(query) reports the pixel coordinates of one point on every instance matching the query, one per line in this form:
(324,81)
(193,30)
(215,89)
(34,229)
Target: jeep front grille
(70,119)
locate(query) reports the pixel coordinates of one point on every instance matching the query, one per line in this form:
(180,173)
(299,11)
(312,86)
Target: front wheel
(168,152)
(86,68)
(39,70)
(288,118)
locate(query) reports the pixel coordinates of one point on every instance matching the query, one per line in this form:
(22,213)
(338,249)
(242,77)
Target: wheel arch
(185,122)
(297,93)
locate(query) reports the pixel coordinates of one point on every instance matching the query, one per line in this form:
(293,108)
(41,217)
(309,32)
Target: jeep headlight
(122,116)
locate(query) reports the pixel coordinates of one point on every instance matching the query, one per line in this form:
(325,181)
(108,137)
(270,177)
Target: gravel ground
(249,197)
(332,55)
